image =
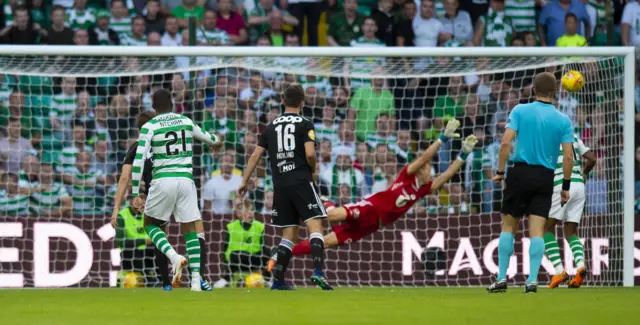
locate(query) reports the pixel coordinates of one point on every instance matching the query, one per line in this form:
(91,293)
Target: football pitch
(396,306)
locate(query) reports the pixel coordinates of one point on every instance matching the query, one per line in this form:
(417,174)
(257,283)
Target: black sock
(163,267)
(316,243)
(203,257)
(284,255)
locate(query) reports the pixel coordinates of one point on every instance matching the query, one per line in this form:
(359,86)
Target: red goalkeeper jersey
(395,201)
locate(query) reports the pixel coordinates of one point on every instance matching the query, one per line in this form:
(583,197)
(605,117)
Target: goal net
(68,116)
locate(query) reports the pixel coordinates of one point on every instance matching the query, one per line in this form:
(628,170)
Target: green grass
(395,306)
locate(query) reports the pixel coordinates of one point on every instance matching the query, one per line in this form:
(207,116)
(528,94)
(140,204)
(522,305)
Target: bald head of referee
(539,130)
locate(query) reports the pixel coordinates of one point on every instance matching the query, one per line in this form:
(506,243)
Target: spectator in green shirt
(221,122)
(345,26)
(368,103)
(453,102)
(260,17)
(188,8)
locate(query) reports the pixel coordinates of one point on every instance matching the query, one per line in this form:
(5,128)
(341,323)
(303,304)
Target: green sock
(193,251)
(159,238)
(553,252)
(577,249)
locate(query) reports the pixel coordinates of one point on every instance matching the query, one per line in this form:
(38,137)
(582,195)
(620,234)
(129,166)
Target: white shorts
(177,196)
(572,211)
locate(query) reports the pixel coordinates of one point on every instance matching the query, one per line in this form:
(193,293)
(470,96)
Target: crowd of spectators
(78,129)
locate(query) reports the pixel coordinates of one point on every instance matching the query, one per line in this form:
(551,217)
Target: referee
(538,129)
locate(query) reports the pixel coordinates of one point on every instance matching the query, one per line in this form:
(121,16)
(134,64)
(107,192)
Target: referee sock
(553,252)
(203,255)
(505,250)
(577,250)
(316,243)
(193,252)
(159,239)
(536,251)
(284,255)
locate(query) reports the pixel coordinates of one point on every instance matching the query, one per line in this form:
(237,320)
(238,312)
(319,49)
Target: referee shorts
(528,190)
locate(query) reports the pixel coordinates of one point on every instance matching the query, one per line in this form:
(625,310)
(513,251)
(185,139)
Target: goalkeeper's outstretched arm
(467,146)
(427,156)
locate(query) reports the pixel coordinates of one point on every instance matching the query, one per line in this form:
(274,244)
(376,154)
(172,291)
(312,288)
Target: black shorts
(292,203)
(528,190)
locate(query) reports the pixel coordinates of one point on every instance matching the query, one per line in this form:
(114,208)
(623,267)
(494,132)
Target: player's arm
(588,155)
(251,167)
(310,147)
(467,146)
(567,155)
(206,137)
(427,156)
(144,144)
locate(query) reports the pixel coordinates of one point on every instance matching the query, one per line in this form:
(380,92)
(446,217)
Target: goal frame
(240,51)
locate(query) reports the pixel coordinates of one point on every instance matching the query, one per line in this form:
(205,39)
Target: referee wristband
(500,173)
(566,184)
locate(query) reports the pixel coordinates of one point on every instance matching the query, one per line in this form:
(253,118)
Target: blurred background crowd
(63,139)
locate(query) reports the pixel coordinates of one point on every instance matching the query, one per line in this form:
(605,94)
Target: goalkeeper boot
(319,279)
(558,279)
(277,285)
(577,280)
(204,285)
(498,286)
(531,288)
(177,270)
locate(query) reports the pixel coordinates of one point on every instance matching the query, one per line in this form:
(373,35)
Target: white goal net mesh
(66,124)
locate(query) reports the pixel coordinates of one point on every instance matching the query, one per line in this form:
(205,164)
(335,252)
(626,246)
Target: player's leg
(186,212)
(304,247)
(157,210)
(551,247)
(162,266)
(511,211)
(193,252)
(203,256)
(283,255)
(310,209)
(575,208)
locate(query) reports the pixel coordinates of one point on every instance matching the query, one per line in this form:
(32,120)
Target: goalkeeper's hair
(144,117)
(161,101)
(545,85)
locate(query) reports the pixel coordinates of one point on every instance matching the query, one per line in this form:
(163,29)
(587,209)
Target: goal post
(448,239)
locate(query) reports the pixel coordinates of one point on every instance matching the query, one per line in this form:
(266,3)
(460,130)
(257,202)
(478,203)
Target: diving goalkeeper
(414,182)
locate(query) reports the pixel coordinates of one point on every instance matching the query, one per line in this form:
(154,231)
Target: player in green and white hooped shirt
(495,28)
(570,213)
(63,105)
(11,201)
(80,17)
(209,34)
(168,140)
(136,37)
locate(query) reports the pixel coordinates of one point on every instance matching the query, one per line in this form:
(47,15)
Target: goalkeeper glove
(450,131)
(467,146)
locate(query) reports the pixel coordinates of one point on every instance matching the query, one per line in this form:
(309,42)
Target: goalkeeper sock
(284,255)
(193,252)
(553,252)
(577,250)
(159,238)
(505,249)
(301,248)
(203,254)
(162,265)
(536,251)
(316,243)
